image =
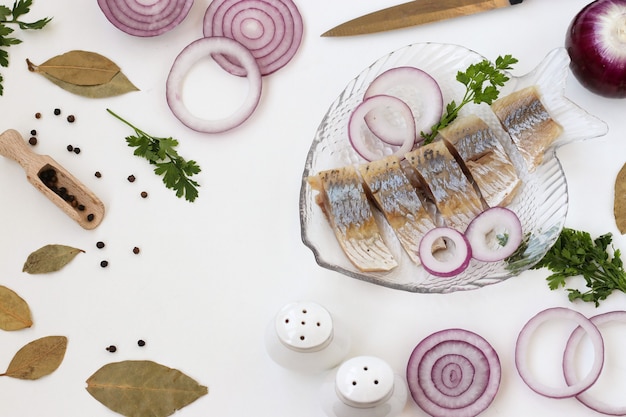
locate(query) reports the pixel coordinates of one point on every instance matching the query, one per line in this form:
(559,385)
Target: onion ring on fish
(365,142)
(445,252)
(494,234)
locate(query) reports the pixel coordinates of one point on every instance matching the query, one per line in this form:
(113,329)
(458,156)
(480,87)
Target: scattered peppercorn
(76,151)
(141,342)
(144,194)
(33,132)
(70,148)
(80,207)
(32,140)
(131,178)
(90,217)
(57,112)
(100,245)
(71,118)
(37,115)
(136,250)
(104,264)
(98,174)
(111,348)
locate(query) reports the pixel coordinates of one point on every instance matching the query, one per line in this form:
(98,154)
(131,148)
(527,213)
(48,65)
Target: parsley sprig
(11,16)
(176,171)
(474,78)
(575,253)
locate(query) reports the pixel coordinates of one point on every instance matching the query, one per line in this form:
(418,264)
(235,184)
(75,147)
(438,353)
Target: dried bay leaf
(14,311)
(49,258)
(78,67)
(143,388)
(37,359)
(619,202)
(118,85)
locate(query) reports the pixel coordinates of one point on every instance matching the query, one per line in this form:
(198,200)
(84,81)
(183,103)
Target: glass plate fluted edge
(541,203)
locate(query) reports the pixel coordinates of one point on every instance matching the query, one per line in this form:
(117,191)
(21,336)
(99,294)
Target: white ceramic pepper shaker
(304,337)
(364,386)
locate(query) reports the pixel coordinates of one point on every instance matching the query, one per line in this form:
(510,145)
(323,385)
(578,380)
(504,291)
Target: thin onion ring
(523,341)
(279,18)
(568,369)
(187,58)
(137,19)
(474,392)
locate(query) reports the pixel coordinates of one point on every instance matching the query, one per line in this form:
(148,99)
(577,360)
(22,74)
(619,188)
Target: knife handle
(515,2)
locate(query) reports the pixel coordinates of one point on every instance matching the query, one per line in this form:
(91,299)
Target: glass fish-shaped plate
(541,204)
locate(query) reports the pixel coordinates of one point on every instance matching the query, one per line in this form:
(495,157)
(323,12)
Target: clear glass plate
(541,204)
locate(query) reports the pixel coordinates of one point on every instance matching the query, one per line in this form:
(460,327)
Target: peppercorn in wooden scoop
(56,183)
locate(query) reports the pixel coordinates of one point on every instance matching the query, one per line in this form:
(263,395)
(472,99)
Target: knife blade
(414,13)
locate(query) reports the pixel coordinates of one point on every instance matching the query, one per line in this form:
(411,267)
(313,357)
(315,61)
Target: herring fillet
(524,117)
(395,196)
(485,158)
(344,202)
(454,195)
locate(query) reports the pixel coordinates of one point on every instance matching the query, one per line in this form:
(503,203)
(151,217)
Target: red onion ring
(453,373)
(445,261)
(271,29)
(143,19)
(416,88)
(521,351)
(361,137)
(494,234)
(187,58)
(569,370)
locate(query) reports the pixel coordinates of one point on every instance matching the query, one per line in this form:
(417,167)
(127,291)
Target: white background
(212,274)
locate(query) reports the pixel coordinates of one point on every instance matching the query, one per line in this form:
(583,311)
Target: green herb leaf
(161,152)
(143,388)
(49,258)
(474,77)
(575,253)
(14,311)
(37,359)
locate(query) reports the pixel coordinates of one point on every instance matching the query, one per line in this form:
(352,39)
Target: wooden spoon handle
(13,146)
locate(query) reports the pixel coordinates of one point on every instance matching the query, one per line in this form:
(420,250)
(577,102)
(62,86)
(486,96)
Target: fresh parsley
(576,253)
(176,171)
(474,78)
(11,16)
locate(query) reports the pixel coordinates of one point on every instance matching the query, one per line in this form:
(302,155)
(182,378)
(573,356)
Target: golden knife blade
(413,13)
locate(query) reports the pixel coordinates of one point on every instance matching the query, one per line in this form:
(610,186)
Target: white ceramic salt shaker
(304,337)
(364,386)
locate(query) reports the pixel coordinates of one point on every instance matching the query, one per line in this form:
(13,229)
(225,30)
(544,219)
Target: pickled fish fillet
(344,202)
(398,200)
(484,157)
(524,117)
(456,199)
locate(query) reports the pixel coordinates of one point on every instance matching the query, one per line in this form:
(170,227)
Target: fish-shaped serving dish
(540,202)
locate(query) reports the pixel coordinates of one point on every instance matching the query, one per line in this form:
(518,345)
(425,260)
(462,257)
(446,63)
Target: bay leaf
(619,200)
(37,359)
(78,67)
(14,311)
(118,85)
(143,388)
(49,258)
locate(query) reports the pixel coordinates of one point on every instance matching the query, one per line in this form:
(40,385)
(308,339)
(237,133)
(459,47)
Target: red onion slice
(453,373)
(416,88)
(187,58)
(141,18)
(494,234)
(365,142)
(444,252)
(523,342)
(569,370)
(271,29)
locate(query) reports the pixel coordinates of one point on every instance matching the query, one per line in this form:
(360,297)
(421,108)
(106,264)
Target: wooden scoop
(56,183)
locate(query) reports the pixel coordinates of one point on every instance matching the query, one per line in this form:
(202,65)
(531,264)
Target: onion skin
(597,51)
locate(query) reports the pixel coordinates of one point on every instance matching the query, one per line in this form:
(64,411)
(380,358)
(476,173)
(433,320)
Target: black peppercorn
(70,148)
(141,342)
(76,151)
(33,132)
(104,264)
(71,118)
(144,194)
(32,140)
(98,174)
(131,178)
(90,217)
(136,250)
(37,115)
(57,112)
(111,348)
(100,245)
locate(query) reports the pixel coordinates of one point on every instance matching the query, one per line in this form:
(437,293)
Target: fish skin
(395,196)
(454,195)
(524,117)
(481,152)
(344,202)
